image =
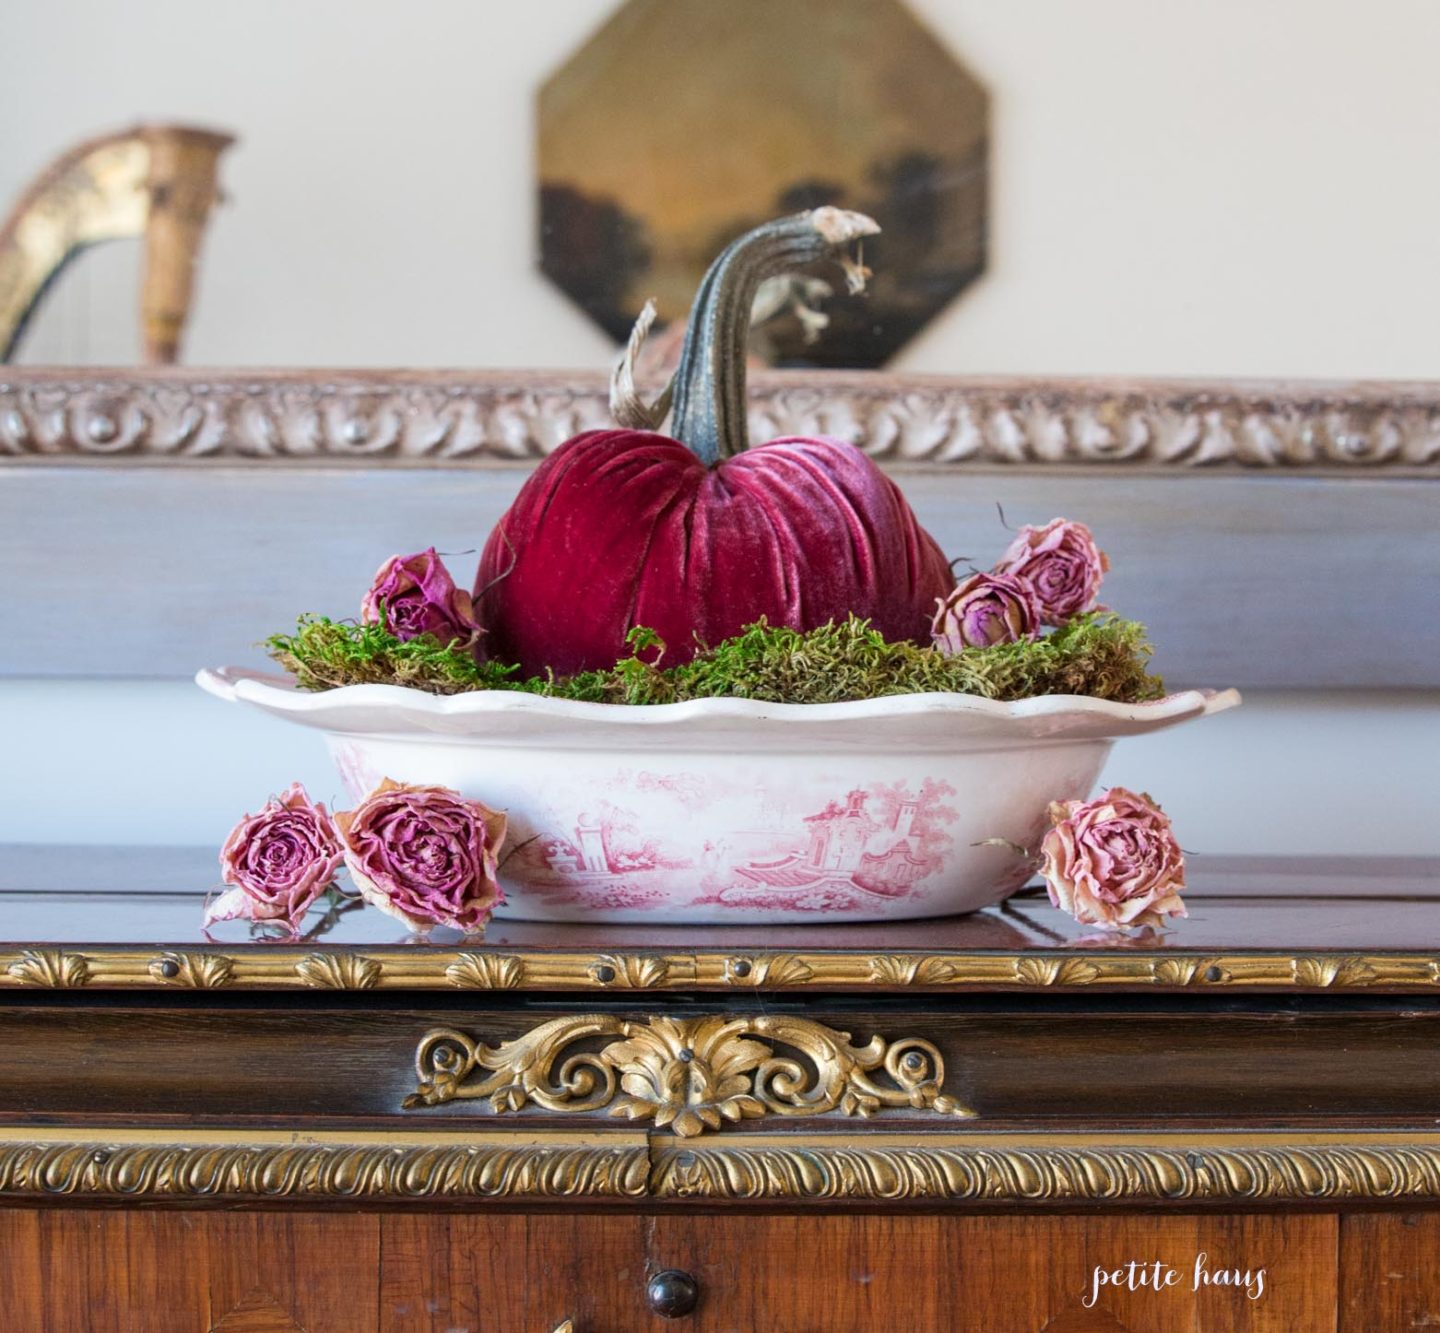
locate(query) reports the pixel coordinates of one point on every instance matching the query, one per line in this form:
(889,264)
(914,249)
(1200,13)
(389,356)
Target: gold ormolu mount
(159,181)
(693,1074)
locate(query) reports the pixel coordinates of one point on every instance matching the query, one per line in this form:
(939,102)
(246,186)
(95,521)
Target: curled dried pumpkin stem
(627,404)
(709,386)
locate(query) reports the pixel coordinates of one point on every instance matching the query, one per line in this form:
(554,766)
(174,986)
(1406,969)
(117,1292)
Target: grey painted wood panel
(1245,578)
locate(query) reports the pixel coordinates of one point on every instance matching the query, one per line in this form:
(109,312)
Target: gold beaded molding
(1187,1170)
(281,967)
(426,417)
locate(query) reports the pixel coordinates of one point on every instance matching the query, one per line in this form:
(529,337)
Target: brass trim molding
(1187,1170)
(288,967)
(202,1164)
(1053,1169)
(447,417)
(692,1074)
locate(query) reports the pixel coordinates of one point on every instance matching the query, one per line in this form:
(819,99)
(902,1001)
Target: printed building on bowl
(848,849)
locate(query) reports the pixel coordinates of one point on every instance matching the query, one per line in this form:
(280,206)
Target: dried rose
(1062,565)
(1113,861)
(414,594)
(425,855)
(279,861)
(986,609)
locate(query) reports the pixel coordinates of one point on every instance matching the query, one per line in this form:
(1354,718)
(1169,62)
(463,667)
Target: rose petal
(1113,861)
(984,610)
(1061,564)
(412,595)
(425,855)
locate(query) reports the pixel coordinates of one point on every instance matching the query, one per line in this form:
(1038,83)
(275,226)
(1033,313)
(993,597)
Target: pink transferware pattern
(722,810)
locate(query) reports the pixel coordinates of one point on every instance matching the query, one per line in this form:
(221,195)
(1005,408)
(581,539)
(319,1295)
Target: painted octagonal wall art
(680,124)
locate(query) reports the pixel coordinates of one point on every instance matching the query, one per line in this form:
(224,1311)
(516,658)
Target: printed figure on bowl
(788,856)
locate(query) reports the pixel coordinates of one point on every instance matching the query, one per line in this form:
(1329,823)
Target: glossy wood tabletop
(155,896)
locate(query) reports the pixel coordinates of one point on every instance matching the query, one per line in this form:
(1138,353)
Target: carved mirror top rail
(448,416)
(1259,571)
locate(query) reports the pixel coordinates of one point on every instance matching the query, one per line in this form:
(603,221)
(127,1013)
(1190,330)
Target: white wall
(1227,188)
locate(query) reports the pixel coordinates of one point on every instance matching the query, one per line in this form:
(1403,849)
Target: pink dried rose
(414,594)
(1113,862)
(1062,565)
(278,861)
(985,609)
(425,855)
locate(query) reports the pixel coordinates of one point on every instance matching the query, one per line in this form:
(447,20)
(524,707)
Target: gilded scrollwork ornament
(339,971)
(801,1167)
(691,1074)
(201,971)
(629,971)
(485,971)
(194,1165)
(53,969)
(770,970)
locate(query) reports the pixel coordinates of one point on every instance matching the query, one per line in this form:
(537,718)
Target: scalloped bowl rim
(280,694)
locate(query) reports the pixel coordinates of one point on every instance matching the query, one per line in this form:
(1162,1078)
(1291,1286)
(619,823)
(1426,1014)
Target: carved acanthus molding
(452,416)
(1050,1173)
(186,1167)
(225,1165)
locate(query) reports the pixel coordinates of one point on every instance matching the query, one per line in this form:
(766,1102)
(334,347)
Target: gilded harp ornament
(159,181)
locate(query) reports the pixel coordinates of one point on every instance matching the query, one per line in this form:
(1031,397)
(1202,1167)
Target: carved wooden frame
(395,418)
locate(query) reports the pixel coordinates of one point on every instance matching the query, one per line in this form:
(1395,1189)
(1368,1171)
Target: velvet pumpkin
(694,534)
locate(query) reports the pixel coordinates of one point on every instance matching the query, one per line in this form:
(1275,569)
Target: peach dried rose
(1062,565)
(1113,861)
(425,855)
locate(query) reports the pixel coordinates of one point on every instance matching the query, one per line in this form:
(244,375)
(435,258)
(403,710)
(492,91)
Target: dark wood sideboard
(943,1125)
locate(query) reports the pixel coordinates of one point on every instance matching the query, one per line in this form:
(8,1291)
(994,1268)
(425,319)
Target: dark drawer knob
(672,1294)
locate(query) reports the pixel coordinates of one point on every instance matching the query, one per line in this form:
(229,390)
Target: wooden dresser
(946,1125)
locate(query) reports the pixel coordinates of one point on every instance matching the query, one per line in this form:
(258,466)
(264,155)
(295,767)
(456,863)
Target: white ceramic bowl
(730,810)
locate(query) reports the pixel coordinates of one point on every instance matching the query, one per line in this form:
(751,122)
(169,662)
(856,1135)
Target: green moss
(1099,655)
(323,654)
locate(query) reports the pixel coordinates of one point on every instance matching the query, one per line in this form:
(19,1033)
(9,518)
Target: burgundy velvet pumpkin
(697,539)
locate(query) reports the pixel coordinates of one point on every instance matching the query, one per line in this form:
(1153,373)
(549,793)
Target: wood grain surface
(1389,1272)
(519,1272)
(109,1272)
(89,1271)
(996,1275)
